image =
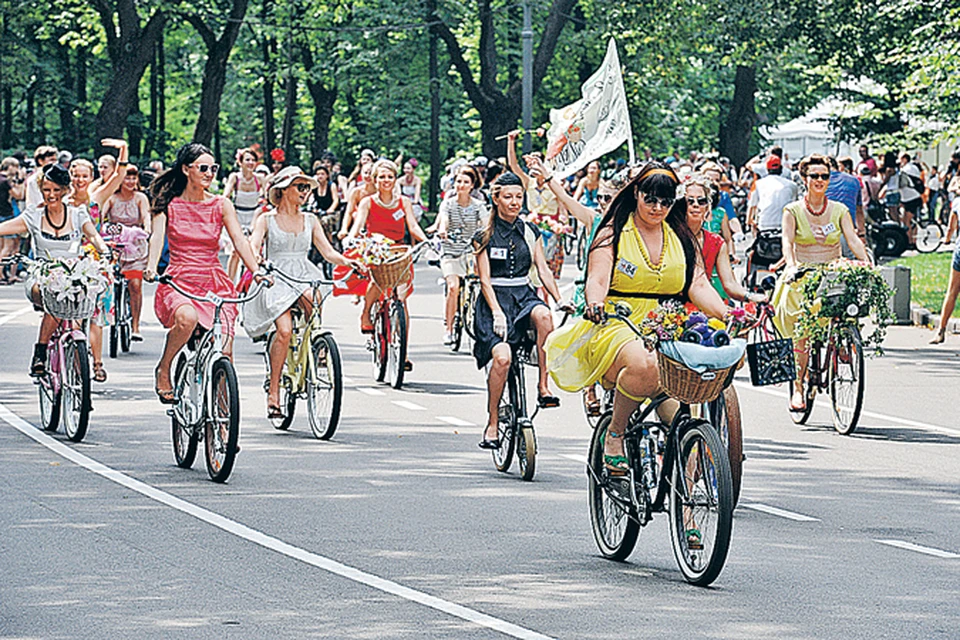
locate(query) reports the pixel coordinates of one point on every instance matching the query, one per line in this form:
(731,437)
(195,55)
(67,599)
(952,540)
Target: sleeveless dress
(246,203)
(589,197)
(580,353)
(510,263)
(712,245)
(193,235)
(387,221)
(127,214)
(787,296)
(49,247)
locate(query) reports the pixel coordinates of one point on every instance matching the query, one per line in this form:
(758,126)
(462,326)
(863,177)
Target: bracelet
(123,164)
(548,178)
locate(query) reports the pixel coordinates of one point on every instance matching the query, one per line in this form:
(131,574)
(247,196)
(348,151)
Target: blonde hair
(384,163)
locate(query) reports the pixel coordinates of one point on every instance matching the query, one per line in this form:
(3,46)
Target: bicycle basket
(689,386)
(395,270)
(837,300)
(68,309)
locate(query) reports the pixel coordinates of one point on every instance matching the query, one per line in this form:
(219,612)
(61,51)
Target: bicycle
(66,383)
(207,397)
(678,469)
(836,367)
(926,230)
(121,327)
(466,308)
(312,370)
(514,428)
(388,345)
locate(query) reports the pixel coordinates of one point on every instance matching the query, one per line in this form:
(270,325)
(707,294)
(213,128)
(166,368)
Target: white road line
(347,380)
(457,422)
(370,391)
(268,542)
(930,551)
(782,513)
(16,314)
(412,406)
(870,414)
(575,458)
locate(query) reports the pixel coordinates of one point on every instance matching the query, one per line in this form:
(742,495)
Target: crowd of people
(658,229)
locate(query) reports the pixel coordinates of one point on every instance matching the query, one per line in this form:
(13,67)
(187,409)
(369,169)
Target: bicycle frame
(299,359)
(65,328)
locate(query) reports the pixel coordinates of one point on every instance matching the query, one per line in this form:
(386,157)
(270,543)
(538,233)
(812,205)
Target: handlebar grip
(165,279)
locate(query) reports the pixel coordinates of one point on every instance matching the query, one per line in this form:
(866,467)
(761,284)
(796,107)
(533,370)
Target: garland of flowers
(373,250)
(856,288)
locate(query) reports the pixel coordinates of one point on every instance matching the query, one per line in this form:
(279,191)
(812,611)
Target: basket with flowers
(70,288)
(389,262)
(551,232)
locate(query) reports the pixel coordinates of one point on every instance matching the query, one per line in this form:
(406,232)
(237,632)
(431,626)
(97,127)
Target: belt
(510,282)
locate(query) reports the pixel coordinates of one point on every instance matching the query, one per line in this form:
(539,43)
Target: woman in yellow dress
(643,252)
(812,227)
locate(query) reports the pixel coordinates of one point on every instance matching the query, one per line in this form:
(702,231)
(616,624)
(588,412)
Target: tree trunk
(6,137)
(135,130)
(161,65)
(323,101)
(289,116)
(65,101)
(497,118)
(31,133)
(269,52)
(736,131)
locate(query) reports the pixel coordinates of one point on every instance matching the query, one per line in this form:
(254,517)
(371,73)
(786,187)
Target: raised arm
(106,189)
(512,157)
(585,215)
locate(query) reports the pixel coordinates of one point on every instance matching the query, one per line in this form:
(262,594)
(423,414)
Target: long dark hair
(171,183)
(656,179)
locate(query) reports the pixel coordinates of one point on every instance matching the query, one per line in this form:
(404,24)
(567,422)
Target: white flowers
(74,280)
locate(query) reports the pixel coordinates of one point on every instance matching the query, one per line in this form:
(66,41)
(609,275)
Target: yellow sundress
(787,296)
(579,354)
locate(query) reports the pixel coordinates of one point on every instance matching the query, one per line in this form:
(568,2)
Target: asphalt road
(401,528)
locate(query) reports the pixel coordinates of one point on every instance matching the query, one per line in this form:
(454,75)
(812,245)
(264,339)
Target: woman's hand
(149,275)
(115,143)
(500,324)
(358,266)
(594,312)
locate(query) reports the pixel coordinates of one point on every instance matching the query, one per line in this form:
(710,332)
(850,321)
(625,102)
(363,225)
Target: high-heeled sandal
(99,373)
(167,396)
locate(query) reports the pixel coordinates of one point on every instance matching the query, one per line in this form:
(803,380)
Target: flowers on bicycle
(548,224)
(672,320)
(73,280)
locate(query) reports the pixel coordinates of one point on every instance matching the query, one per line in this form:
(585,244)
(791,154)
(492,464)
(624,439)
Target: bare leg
(499,366)
(453,293)
(634,371)
(278,354)
(951,227)
(372,295)
(949,303)
(543,323)
(96,342)
(802,357)
(136,303)
(184,322)
(49,324)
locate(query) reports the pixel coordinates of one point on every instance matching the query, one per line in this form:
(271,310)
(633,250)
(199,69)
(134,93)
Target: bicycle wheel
(114,339)
(458,323)
(613,529)
(527,451)
(506,427)
(184,437)
(379,342)
(701,503)
(929,236)
(49,404)
(470,308)
(75,401)
(724,415)
(222,428)
(396,345)
(126,326)
(845,376)
(324,387)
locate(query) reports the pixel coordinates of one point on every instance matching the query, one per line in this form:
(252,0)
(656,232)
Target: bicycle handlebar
(210,296)
(271,268)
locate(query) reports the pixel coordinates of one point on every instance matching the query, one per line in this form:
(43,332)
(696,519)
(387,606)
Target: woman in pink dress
(191,218)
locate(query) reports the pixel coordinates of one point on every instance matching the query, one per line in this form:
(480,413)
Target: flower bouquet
(672,320)
(70,287)
(551,232)
(389,262)
(845,289)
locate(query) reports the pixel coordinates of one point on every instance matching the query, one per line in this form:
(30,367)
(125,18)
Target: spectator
(43,156)
(11,190)
(866,160)
(770,195)
(845,189)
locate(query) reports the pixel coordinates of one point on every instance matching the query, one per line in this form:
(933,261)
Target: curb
(923,318)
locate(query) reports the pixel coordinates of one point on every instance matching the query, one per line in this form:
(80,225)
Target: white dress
(288,252)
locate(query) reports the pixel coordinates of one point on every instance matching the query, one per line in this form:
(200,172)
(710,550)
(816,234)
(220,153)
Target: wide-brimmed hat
(284,178)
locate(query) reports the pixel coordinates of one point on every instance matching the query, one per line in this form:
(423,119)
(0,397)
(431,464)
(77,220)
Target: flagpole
(527,87)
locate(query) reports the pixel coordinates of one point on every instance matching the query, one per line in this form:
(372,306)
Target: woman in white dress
(287,233)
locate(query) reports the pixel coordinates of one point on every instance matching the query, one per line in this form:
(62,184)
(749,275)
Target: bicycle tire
(506,428)
(582,248)
(222,430)
(929,236)
(724,414)
(471,306)
(379,340)
(126,326)
(184,438)
(49,404)
(457,327)
(325,391)
(694,495)
(848,353)
(75,401)
(114,339)
(396,345)
(527,452)
(614,530)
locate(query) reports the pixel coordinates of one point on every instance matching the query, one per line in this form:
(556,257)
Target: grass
(929,274)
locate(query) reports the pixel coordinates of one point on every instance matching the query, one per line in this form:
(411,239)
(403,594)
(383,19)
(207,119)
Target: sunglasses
(603,197)
(302,187)
(653,200)
(702,201)
(206,168)
(819,176)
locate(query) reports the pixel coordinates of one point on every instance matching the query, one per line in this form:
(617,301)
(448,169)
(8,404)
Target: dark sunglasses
(819,176)
(701,201)
(206,168)
(302,187)
(653,200)
(603,197)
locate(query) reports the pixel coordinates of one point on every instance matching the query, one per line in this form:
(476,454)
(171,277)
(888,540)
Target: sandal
(549,402)
(489,443)
(38,366)
(593,408)
(275,412)
(136,337)
(408,366)
(166,395)
(366,330)
(99,374)
(616,466)
(938,339)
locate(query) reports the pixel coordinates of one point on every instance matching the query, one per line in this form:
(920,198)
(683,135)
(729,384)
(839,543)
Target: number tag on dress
(498,253)
(829,228)
(626,267)
(399,213)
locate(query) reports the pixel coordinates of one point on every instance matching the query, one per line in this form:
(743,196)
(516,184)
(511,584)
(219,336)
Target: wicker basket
(686,385)
(69,309)
(395,270)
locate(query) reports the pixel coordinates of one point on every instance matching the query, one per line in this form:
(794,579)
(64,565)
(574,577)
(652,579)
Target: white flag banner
(596,124)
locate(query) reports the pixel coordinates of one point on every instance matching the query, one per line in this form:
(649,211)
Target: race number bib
(498,253)
(829,228)
(626,267)
(399,213)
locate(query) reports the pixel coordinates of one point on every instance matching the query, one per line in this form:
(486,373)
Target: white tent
(810,133)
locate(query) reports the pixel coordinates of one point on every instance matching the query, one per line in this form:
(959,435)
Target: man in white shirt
(43,156)
(770,195)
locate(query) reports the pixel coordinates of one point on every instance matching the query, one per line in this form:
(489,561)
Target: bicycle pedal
(169,413)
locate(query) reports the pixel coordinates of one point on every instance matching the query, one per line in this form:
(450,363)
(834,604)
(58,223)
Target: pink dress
(193,233)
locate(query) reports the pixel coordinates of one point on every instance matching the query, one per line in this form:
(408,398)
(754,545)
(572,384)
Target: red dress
(193,233)
(712,243)
(390,222)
